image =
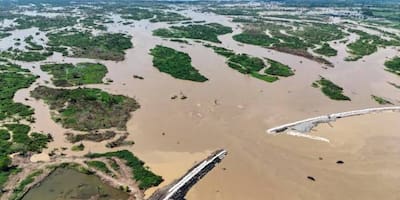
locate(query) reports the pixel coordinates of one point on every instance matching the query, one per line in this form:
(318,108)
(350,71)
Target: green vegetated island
(177,64)
(330,89)
(367,44)
(67,74)
(292,37)
(207,32)
(254,66)
(107,46)
(87,109)
(393,65)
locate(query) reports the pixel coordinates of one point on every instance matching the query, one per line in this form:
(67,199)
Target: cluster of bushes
(13,78)
(393,65)
(141,174)
(381,100)
(208,32)
(367,44)
(177,64)
(330,89)
(87,109)
(326,50)
(67,74)
(99,165)
(107,46)
(45,23)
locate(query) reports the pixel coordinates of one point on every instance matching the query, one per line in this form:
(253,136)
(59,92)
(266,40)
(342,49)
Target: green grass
(326,50)
(381,100)
(331,90)
(367,44)
(79,147)
(45,23)
(87,109)
(71,75)
(23,142)
(18,191)
(393,65)
(278,69)
(141,174)
(264,77)
(32,45)
(208,32)
(107,46)
(99,165)
(176,63)
(221,50)
(13,78)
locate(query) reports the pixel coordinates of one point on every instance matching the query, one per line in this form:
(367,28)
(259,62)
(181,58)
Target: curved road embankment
(304,126)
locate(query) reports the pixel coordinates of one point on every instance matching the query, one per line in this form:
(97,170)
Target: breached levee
(304,126)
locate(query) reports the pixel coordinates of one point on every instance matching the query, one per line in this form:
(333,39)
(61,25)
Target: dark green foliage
(32,45)
(27,56)
(18,191)
(45,23)
(331,90)
(136,13)
(4,34)
(326,50)
(208,32)
(108,46)
(79,147)
(70,75)
(23,142)
(381,100)
(140,173)
(13,78)
(255,39)
(221,51)
(175,63)
(278,69)
(367,44)
(393,65)
(4,134)
(247,63)
(87,109)
(99,165)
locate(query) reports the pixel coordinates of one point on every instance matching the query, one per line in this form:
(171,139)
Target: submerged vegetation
(254,66)
(142,174)
(326,50)
(175,63)
(367,44)
(208,32)
(330,89)
(107,46)
(381,100)
(393,65)
(87,109)
(71,75)
(294,38)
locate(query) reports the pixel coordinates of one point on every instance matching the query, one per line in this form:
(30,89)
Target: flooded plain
(172,135)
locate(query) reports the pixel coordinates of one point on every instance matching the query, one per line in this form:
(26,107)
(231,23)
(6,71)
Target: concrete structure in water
(306,125)
(178,189)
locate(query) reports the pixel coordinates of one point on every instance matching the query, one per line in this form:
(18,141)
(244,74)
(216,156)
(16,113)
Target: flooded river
(171,135)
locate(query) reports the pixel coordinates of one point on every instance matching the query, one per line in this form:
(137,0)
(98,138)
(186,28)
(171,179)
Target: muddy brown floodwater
(171,135)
